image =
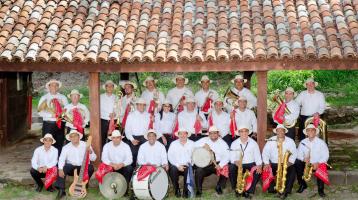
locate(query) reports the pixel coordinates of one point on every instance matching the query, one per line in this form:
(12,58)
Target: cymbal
(114,185)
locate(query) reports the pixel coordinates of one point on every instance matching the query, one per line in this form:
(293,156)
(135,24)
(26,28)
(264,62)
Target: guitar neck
(83,166)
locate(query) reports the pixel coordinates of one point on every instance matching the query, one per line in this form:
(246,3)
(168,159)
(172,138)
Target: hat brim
(275,130)
(114,86)
(68,135)
(294,93)
(110,137)
(69,95)
(177,134)
(205,80)
(317,131)
(185,82)
(146,135)
(315,83)
(53,81)
(53,140)
(129,83)
(233,80)
(238,134)
(145,82)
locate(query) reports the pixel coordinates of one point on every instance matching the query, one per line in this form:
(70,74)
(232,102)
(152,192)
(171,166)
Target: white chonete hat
(310,80)
(115,133)
(74,92)
(140,101)
(128,83)
(149,78)
(280,126)
(239,77)
(53,81)
(150,131)
(48,135)
(243,127)
(182,130)
(190,100)
(73,132)
(311,126)
(205,78)
(180,76)
(109,82)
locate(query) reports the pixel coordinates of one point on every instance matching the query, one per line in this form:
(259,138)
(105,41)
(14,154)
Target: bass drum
(202,157)
(155,186)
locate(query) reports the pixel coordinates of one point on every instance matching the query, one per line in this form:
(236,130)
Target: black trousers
(301,127)
(68,170)
(228,139)
(169,138)
(233,176)
(174,174)
(135,148)
(57,133)
(104,131)
(300,167)
(195,137)
(201,173)
(291,133)
(290,178)
(36,175)
(127,172)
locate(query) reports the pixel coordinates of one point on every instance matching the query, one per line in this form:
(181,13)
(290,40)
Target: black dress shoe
(185,194)
(283,196)
(198,193)
(50,189)
(61,193)
(39,188)
(177,193)
(218,190)
(237,194)
(246,195)
(301,188)
(321,194)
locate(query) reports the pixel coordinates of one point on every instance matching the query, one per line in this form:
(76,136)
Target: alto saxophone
(240,181)
(307,173)
(281,169)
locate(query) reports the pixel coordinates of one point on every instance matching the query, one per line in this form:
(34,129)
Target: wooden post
(261,107)
(95,125)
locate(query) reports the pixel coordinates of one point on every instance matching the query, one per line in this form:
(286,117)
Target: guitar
(78,187)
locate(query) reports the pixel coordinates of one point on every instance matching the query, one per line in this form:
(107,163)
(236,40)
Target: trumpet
(278,99)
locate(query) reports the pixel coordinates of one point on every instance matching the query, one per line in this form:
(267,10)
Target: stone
(337,177)
(352,177)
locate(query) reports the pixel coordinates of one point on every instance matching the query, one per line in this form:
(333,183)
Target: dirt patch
(340,135)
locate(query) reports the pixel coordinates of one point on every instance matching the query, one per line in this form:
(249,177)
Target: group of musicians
(164,131)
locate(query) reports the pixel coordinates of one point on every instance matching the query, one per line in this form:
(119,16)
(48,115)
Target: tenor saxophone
(307,173)
(282,166)
(240,181)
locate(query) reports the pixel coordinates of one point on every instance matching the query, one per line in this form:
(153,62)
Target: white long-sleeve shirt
(43,158)
(117,154)
(179,154)
(148,96)
(311,103)
(250,150)
(251,99)
(319,151)
(187,120)
(124,101)
(85,113)
(221,121)
(164,125)
(219,147)
(270,151)
(137,124)
(152,154)
(107,105)
(74,155)
(295,111)
(247,117)
(47,116)
(201,96)
(175,94)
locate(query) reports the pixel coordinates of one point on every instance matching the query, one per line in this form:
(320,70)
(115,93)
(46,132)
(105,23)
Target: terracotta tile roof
(177,31)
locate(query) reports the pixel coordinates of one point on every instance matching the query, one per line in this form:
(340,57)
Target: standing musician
(239,90)
(274,153)
(205,96)
(245,116)
(177,95)
(71,158)
(312,153)
(163,123)
(118,155)
(219,166)
(136,127)
(152,152)
(152,96)
(108,101)
(179,156)
(192,119)
(312,103)
(221,119)
(44,158)
(77,115)
(245,153)
(127,101)
(50,109)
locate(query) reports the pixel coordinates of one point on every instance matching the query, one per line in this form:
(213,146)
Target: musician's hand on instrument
(120,166)
(232,115)
(181,168)
(315,166)
(218,167)
(135,142)
(44,169)
(259,169)
(112,115)
(61,173)
(307,159)
(39,169)
(254,135)
(165,142)
(207,147)
(237,163)
(266,167)
(166,167)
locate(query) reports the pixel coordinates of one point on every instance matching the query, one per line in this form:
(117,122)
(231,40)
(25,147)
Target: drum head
(114,185)
(158,184)
(202,157)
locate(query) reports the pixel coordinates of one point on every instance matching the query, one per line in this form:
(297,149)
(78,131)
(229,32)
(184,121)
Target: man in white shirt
(240,90)
(270,157)
(44,158)
(50,109)
(245,116)
(192,119)
(77,115)
(152,152)
(164,122)
(314,151)
(312,103)
(179,156)
(137,125)
(152,96)
(118,155)
(127,102)
(220,166)
(177,95)
(247,150)
(71,158)
(221,120)
(205,96)
(108,101)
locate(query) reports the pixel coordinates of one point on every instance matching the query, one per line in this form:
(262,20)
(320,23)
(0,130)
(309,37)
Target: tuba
(241,177)
(281,168)
(230,97)
(278,99)
(322,127)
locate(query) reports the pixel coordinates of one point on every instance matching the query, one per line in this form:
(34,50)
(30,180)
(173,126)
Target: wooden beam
(261,108)
(95,125)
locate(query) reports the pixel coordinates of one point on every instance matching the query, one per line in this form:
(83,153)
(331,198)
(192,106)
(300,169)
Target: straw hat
(73,132)
(53,81)
(218,100)
(74,91)
(243,127)
(239,76)
(310,126)
(149,131)
(190,100)
(109,82)
(280,126)
(180,76)
(166,101)
(128,83)
(115,133)
(149,78)
(140,101)
(213,129)
(290,89)
(48,135)
(182,130)
(310,80)
(205,78)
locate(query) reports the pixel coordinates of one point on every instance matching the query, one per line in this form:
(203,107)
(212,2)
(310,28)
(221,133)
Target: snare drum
(202,157)
(155,186)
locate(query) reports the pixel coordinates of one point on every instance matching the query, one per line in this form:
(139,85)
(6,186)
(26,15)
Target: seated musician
(44,158)
(179,156)
(152,152)
(219,166)
(274,153)
(245,152)
(118,155)
(71,158)
(163,123)
(245,116)
(221,119)
(314,151)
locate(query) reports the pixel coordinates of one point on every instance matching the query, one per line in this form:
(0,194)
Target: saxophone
(307,173)
(240,181)
(281,169)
